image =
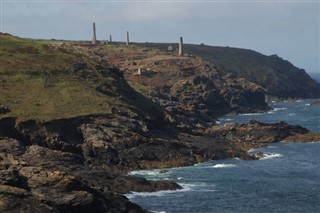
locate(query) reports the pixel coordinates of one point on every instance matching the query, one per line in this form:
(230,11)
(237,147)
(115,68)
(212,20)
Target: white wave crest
(224,165)
(278,109)
(271,155)
(150,194)
(145,172)
(185,187)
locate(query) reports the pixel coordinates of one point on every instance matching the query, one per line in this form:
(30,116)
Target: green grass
(36,81)
(139,87)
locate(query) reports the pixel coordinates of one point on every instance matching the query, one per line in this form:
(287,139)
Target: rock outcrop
(74,153)
(49,167)
(315,103)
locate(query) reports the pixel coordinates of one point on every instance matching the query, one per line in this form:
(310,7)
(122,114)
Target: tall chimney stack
(110,39)
(181,46)
(94,38)
(127,42)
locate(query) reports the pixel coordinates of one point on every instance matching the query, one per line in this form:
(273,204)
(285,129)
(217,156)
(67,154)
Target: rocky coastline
(44,169)
(91,119)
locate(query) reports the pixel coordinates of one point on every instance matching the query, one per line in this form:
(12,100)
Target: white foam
(185,187)
(278,109)
(150,194)
(292,114)
(245,114)
(227,119)
(257,113)
(224,165)
(218,122)
(270,156)
(307,104)
(145,172)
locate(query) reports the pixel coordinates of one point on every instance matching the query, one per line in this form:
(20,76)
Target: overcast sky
(289,29)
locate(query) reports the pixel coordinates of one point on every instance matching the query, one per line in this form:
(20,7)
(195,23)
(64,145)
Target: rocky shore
(81,164)
(96,113)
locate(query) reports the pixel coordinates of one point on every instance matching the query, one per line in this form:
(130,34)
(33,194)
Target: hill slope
(71,127)
(279,77)
(50,80)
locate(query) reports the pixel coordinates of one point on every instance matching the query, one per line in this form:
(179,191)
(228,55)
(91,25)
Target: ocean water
(287,180)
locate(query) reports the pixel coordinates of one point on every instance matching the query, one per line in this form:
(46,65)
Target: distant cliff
(279,77)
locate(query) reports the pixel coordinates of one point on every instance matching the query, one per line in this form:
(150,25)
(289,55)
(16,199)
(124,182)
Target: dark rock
(315,103)
(126,184)
(4,110)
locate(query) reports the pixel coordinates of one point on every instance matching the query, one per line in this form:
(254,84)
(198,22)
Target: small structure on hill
(181,46)
(94,38)
(127,41)
(170,48)
(138,71)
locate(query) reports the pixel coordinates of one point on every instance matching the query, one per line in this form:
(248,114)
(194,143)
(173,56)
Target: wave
(279,108)
(258,113)
(149,194)
(224,165)
(185,187)
(270,156)
(308,104)
(227,119)
(145,172)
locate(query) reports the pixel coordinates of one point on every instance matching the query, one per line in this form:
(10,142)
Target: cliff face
(72,126)
(191,90)
(279,77)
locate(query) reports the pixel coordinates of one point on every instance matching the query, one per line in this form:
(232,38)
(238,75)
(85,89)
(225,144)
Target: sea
(286,180)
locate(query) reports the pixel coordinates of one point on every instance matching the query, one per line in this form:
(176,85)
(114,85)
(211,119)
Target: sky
(290,29)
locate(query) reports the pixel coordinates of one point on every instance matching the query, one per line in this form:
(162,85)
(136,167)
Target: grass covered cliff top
(45,80)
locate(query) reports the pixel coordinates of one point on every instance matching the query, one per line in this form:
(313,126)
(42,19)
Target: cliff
(75,118)
(279,77)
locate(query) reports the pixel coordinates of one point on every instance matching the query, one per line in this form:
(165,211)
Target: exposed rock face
(4,110)
(191,90)
(258,132)
(315,103)
(279,77)
(80,164)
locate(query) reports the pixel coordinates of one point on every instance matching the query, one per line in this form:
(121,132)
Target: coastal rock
(4,110)
(315,103)
(258,132)
(126,184)
(309,137)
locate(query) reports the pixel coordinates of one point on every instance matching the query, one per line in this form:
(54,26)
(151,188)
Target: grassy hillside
(47,80)
(278,76)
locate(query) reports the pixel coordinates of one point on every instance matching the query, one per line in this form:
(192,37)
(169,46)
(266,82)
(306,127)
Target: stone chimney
(94,38)
(110,39)
(127,42)
(181,46)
